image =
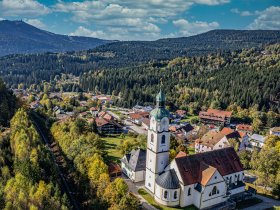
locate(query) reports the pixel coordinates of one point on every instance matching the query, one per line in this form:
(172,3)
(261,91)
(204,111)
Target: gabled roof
(210,139)
(226,161)
(100,121)
(136,160)
(219,112)
(244,127)
(186,128)
(168,180)
(207,172)
(226,131)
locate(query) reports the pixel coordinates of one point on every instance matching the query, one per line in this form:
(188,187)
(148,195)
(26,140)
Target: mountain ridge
(18,37)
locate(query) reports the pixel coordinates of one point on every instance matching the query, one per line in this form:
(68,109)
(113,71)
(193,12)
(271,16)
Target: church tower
(158,142)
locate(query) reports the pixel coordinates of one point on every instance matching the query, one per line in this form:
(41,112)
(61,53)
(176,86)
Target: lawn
(151,201)
(111,146)
(248,203)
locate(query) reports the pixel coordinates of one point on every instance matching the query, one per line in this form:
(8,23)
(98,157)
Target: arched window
(238,177)
(165,194)
(152,138)
(214,190)
(230,180)
(163,139)
(189,191)
(175,195)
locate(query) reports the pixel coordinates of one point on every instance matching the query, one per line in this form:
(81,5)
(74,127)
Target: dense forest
(244,78)
(34,68)
(85,153)
(28,178)
(8,104)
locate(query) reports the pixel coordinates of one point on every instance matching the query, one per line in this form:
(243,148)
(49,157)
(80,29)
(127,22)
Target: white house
(275,131)
(256,141)
(204,180)
(134,164)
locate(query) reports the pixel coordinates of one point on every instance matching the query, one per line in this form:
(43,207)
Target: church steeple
(160,99)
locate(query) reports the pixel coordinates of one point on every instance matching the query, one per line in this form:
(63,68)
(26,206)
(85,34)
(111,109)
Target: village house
(212,140)
(245,128)
(215,117)
(256,141)
(220,139)
(138,117)
(107,127)
(93,111)
(133,165)
(275,131)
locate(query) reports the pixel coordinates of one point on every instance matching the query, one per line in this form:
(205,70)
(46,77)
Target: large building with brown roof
(215,117)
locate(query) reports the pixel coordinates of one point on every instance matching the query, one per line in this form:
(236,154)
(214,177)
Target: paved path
(134,187)
(267,203)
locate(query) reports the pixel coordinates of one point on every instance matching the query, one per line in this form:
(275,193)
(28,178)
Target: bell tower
(158,142)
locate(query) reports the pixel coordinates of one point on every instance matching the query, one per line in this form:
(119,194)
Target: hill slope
(19,37)
(164,49)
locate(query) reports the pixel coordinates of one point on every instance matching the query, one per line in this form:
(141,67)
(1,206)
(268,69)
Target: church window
(214,191)
(152,138)
(163,139)
(175,195)
(165,194)
(149,184)
(189,192)
(238,177)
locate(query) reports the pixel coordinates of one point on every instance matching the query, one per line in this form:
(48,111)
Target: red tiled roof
(210,139)
(220,112)
(244,127)
(135,116)
(108,117)
(226,161)
(146,121)
(101,122)
(226,131)
(93,109)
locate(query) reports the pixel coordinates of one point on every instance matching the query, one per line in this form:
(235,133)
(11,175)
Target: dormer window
(163,139)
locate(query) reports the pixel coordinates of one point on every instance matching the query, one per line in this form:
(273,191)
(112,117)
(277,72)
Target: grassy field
(151,201)
(111,146)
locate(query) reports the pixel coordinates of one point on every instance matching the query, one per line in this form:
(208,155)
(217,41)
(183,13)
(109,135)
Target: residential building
(138,117)
(256,141)
(107,127)
(205,180)
(275,131)
(215,117)
(245,128)
(134,164)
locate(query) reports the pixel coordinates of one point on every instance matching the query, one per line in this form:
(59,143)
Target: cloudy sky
(142,19)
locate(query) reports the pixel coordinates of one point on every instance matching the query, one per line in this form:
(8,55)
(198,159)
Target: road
(267,203)
(65,186)
(130,125)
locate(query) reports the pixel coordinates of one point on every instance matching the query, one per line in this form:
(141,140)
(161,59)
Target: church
(204,180)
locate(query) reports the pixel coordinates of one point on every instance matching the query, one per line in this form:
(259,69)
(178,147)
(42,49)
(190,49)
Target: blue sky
(142,19)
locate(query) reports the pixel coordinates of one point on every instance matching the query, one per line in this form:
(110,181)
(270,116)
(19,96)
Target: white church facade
(204,180)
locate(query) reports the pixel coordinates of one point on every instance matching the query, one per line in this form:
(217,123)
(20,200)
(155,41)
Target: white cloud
(267,19)
(82,31)
(187,28)
(24,8)
(242,13)
(36,22)
(2,19)
(211,2)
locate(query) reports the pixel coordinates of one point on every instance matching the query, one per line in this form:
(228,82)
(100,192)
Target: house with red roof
(215,117)
(245,128)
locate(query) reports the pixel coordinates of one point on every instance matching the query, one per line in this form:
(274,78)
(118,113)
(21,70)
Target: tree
(245,158)
(234,143)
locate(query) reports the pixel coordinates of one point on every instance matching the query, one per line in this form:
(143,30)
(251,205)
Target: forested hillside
(245,78)
(30,69)
(8,104)
(28,179)
(19,37)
